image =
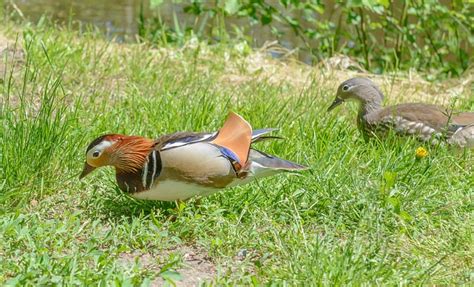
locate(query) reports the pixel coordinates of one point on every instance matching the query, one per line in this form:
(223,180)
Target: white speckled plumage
(463,137)
(426,122)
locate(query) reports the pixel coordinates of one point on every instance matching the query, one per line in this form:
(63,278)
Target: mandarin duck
(185,164)
(427,122)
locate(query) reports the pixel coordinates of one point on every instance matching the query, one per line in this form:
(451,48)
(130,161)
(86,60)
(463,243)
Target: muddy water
(117,18)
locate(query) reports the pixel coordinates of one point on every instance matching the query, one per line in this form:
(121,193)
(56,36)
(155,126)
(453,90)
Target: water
(118,19)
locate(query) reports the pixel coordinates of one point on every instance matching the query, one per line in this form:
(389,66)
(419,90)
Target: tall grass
(365,213)
(36,120)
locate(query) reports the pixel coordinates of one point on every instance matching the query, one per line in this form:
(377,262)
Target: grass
(364,214)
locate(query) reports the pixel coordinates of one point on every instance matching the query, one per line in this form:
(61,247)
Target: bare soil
(196,265)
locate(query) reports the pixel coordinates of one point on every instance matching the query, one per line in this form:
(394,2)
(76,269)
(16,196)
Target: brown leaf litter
(405,87)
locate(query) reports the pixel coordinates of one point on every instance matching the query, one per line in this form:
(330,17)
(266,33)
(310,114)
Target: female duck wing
(462,135)
(413,116)
(463,118)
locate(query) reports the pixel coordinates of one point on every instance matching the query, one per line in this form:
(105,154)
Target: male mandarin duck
(425,121)
(186,164)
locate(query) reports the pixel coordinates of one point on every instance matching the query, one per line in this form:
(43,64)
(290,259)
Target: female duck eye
(345,88)
(96,153)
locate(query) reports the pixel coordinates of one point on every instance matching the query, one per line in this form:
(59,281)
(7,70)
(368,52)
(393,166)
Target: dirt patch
(398,88)
(10,54)
(195,265)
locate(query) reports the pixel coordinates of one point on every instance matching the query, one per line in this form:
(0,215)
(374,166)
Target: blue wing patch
(229,154)
(232,157)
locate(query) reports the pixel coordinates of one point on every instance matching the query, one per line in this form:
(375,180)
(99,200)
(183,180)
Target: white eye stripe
(103,145)
(100,148)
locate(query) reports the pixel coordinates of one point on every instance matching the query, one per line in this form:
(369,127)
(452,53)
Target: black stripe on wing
(183,138)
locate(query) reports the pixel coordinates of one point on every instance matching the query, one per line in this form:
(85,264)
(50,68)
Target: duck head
(125,153)
(361,90)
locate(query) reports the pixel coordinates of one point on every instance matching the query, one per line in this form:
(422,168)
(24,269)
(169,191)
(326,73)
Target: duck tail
(260,135)
(272,163)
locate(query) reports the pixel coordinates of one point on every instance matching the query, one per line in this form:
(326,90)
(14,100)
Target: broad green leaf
(390,178)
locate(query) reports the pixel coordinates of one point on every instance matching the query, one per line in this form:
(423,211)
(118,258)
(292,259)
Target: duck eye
(345,88)
(96,153)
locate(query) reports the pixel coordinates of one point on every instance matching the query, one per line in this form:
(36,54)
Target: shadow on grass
(113,204)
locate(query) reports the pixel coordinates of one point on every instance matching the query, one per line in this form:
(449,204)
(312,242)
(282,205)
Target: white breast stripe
(154,169)
(144,173)
(128,187)
(100,147)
